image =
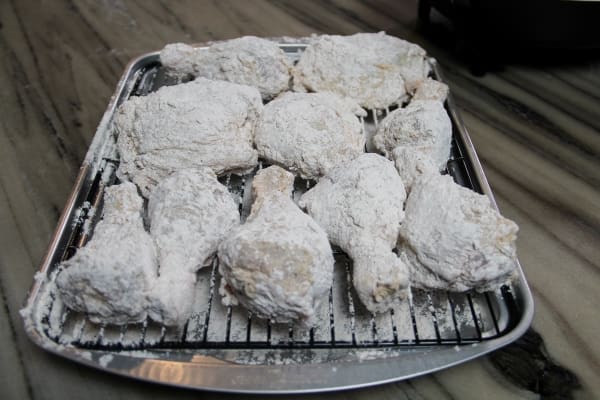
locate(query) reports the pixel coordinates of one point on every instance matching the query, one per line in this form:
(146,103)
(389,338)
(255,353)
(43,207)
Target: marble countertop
(536,129)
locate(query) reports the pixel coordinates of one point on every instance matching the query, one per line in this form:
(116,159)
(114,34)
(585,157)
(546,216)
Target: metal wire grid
(426,318)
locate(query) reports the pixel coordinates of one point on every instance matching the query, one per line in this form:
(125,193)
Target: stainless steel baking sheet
(225,349)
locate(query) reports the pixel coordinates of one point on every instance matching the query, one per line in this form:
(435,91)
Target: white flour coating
(454,239)
(110,277)
(423,318)
(239,325)
(39,277)
(411,163)
(359,204)
(190,213)
(403,322)
(248,60)
(180,59)
(195,124)
(87,225)
(424,124)
(53,325)
(310,133)
(374,69)
(279,264)
(430,89)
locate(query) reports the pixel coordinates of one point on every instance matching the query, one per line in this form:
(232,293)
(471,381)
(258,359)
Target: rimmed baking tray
(226,349)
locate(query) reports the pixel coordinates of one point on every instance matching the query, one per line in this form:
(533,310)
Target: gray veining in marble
(536,129)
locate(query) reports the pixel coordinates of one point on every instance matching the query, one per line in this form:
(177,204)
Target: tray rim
(199,369)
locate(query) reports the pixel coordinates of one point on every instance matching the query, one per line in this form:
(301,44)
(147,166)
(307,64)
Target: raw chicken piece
(418,137)
(430,89)
(109,278)
(279,264)
(454,239)
(195,124)
(423,124)
(247,60)
(190,213)
(359,204)
(374,69)
(411,163)
(310,133)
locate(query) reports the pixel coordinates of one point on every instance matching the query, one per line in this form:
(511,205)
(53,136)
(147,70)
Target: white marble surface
(536,130)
